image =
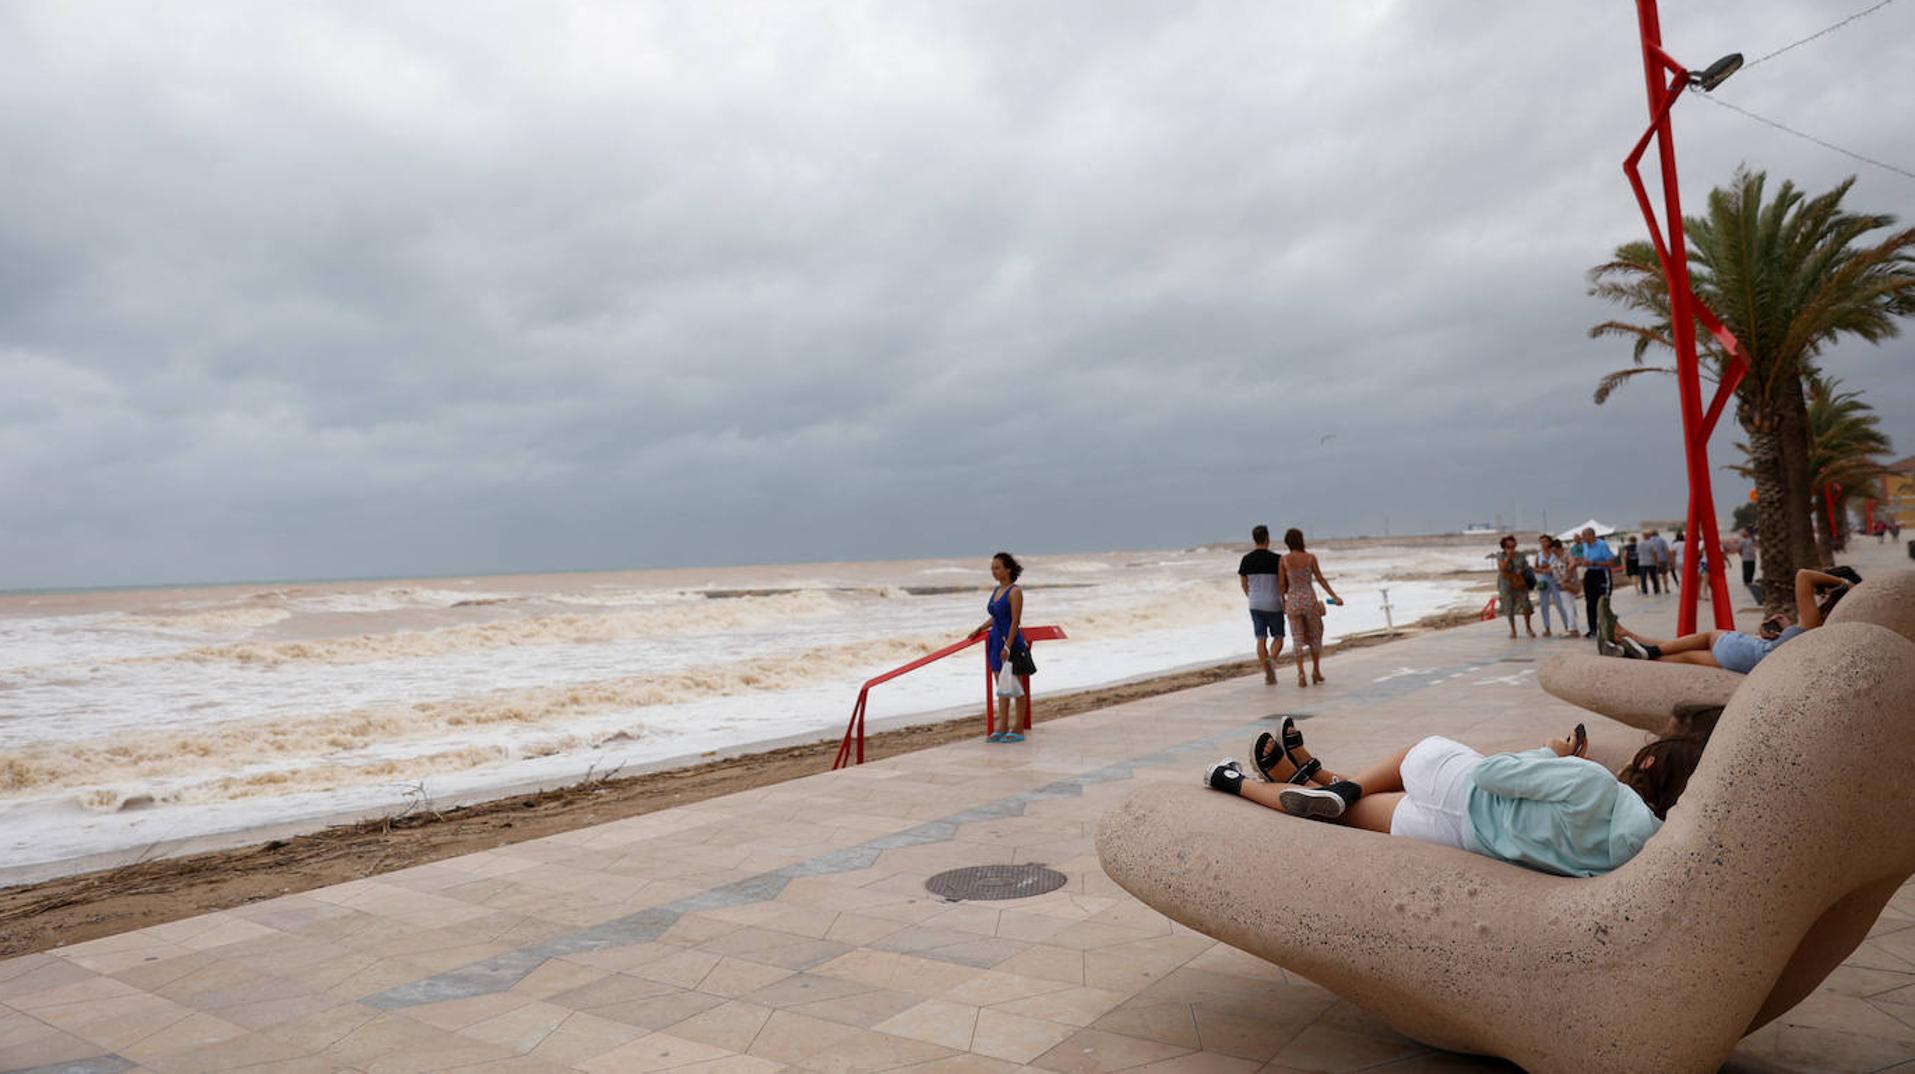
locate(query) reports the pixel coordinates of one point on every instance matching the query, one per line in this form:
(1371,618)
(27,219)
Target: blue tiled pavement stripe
(99,1064)
(501,972)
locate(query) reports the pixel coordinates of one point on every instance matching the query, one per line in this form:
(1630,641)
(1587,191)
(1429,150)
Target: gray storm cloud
(403,288)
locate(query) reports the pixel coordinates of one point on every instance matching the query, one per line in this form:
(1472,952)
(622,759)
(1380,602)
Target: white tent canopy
(1603,529)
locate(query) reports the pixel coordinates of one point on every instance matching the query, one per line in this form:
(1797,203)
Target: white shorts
(1436,780)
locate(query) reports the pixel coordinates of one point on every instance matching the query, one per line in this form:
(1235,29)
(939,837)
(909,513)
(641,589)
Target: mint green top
(1563,815)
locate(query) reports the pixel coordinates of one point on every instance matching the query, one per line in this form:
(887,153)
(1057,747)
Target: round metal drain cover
(995,882)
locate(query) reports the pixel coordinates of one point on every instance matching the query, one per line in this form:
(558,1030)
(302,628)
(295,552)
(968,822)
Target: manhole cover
(1278,717)
(1517,660)
(995,882)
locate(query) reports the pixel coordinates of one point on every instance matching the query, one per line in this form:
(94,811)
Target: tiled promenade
(788,927)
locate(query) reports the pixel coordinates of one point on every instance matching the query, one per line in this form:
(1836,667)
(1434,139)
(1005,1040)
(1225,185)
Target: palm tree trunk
(1792,429)
(1771,513)
(1819,517)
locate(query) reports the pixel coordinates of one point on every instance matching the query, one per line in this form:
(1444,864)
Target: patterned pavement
(788,927)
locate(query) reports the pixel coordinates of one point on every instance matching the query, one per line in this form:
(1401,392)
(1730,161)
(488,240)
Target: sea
(161,720)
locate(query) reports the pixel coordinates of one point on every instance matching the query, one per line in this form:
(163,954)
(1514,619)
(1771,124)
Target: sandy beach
(75,908)
(159,722)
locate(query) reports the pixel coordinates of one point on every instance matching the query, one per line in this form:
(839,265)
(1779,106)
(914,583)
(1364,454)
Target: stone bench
(1792,836)
(1644,694)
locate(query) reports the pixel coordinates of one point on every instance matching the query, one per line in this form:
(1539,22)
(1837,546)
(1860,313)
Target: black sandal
(1292,738)
(1263,756)
(1289,739)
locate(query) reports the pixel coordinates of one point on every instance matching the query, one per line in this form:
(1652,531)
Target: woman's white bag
(1007,684)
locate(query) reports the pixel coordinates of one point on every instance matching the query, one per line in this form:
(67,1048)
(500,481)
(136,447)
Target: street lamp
(1716,73)
(1685,309)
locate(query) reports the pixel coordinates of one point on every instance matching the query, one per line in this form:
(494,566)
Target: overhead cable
(1824,30)
(1903,172)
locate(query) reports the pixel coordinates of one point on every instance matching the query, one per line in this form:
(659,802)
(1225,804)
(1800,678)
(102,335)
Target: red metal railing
(851,749)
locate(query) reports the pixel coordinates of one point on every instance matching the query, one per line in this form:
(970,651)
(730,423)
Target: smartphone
(1581,736)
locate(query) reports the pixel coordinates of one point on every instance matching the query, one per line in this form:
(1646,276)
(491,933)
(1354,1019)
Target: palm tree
(1847,451)
(1790,277)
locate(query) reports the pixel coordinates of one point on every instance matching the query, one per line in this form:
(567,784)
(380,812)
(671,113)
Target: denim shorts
(1266,624)
(1740,653)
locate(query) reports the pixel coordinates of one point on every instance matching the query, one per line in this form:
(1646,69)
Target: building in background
(1898,491)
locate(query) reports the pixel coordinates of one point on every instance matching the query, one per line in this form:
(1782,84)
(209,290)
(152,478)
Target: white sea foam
(134,722)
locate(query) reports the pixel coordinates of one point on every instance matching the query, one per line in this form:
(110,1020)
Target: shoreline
(78,907)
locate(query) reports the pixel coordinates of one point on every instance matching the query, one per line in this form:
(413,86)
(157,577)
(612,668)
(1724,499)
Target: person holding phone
(1734,650)
(1550,808)
(1301,605)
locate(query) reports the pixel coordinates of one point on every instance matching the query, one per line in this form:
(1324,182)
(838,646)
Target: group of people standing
(1653,562)
(1283,588)
(1558,576)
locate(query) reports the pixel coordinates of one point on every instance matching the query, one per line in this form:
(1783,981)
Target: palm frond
(1610,382)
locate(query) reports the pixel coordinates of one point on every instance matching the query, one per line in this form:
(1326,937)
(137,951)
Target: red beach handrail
(853,744)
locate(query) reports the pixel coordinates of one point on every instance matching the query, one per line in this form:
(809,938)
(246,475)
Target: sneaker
(1348,790)
(1226,776)
(1634,650)
(1318,803)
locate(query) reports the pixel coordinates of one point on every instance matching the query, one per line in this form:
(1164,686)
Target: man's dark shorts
(1266,624)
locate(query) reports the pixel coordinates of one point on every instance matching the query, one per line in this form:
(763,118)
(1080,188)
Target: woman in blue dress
(1006,608)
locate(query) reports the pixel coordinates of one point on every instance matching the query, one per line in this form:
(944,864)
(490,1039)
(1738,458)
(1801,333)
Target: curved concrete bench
(1730,915)
(1645,694)
(1640,693)
(1887,600)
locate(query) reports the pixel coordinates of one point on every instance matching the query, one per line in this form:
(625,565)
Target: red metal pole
(990,698)
(1703,538)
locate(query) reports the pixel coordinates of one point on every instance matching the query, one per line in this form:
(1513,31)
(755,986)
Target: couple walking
(1279,588)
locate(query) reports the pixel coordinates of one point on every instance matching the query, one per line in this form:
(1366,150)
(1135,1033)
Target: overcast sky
(304,290)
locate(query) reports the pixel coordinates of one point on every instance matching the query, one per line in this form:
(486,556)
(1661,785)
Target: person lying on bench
(1548,808)
(1733,650)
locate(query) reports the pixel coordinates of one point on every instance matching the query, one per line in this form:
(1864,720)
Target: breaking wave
(209,620)
(682,616)
(328,749)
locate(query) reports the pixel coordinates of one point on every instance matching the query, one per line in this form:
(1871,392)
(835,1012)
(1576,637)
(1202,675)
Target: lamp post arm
(1668,62)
